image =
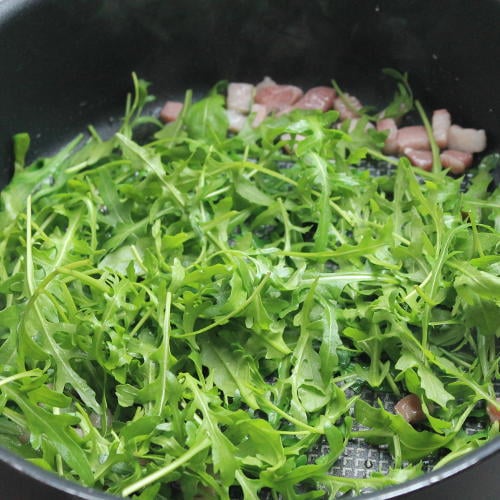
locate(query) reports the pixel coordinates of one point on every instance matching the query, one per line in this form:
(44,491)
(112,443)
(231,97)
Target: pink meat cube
(347,112)
(441,122)
(469,140)
(317,98)
(171,111)
(236,120)
(419,158)
(266,81)
(456,161)
(260,114)
(391,142)
(414,137)
(278,97)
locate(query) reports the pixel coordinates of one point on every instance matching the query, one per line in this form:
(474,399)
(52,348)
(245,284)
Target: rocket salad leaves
(192,314)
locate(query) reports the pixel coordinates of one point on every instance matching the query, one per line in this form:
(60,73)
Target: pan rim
(485,452)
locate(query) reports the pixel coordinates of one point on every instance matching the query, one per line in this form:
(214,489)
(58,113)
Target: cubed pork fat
(347,111)
(265,82)
(414,137)
(278,97)
(391,142)
(469,140)
(441,122)
(236,120)
(410,408)
(240,96)
(317,98)
(171,111)
(260,113)
(419,158)
(456,161)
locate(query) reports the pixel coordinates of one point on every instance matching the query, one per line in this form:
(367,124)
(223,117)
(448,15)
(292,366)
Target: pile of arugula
(189,316)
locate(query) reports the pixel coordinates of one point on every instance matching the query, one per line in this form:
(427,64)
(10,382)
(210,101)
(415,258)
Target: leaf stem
(286,416)
(30,373)
(227,317)
(167,469)
(436,160)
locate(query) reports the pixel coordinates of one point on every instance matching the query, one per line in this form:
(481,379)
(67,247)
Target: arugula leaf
(231,374)
(206,119)
(402,102)
(192,315)
(36,176)
(53,430)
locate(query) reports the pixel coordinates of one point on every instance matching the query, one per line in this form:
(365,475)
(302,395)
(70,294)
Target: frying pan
(64,65)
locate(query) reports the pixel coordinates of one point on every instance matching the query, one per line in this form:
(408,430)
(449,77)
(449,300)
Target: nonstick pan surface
(64,65)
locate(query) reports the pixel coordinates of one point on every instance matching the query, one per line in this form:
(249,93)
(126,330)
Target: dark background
(64,65)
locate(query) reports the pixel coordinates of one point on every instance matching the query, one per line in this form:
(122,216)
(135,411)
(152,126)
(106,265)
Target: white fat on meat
(171,111)
(265,82)
(414,137)
(259,112)
(278,97)
(456,161)
(347,110)
(391,142)
(469,140)
(240,96)
(419,158)
(317,98)
(236,120)
(441,123)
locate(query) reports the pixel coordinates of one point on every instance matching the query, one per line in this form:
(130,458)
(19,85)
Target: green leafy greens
(192,314)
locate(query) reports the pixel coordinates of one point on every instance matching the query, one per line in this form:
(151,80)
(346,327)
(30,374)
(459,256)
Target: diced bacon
(171,111)
(493,412)
(278,97)
(456,161)
(419,158)
(236,120)
(414,137)
(264,83)
(317,98)
(260,114)
(285,110)
(391,142)
(240,96)
(469,140)
(410,408)
(441,122)
(347,112)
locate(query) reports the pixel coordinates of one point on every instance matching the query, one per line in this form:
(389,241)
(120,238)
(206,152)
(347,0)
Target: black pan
(64,65)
